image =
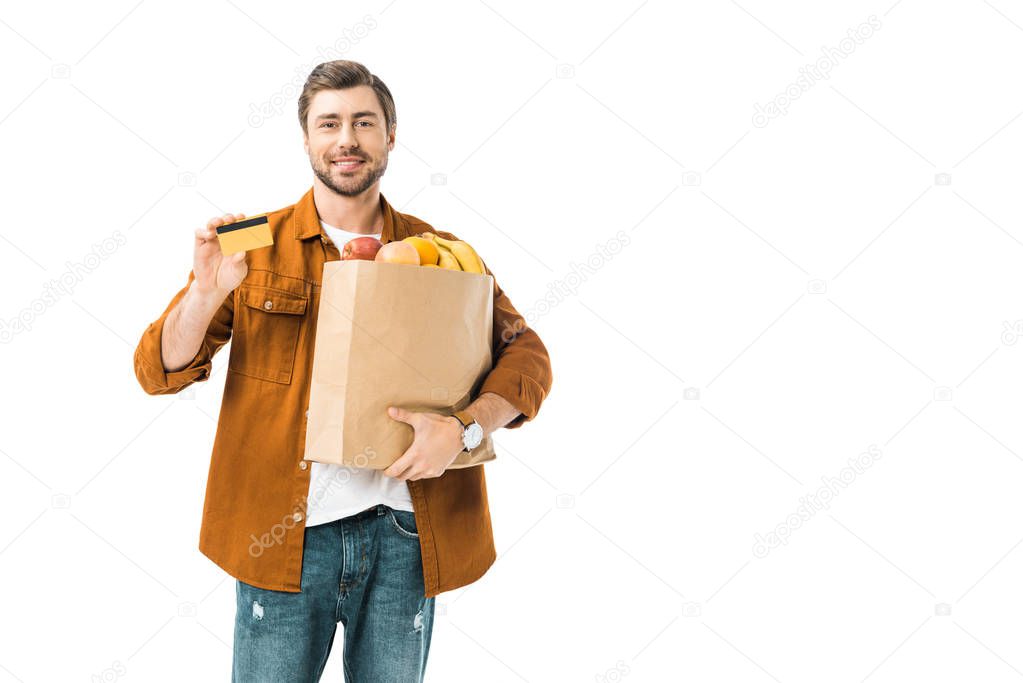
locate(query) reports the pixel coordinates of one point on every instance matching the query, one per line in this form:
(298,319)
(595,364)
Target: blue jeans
(364,571)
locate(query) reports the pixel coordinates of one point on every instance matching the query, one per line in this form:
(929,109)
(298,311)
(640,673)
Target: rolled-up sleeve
(522,367)
(149,369)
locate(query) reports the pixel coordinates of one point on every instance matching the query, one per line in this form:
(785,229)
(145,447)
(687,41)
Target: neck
(359,214)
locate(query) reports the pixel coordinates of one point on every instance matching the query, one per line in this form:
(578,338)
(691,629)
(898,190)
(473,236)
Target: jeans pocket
(404,522)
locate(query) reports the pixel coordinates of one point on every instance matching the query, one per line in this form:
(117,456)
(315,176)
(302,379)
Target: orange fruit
(427,250)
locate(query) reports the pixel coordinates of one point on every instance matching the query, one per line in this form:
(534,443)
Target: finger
(399,466)
(232,217)
(401,415)
(215,222)
(203,236)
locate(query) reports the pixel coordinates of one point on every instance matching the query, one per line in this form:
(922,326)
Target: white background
(791,296)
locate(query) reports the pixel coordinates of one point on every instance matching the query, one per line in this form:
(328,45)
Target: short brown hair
(338,75)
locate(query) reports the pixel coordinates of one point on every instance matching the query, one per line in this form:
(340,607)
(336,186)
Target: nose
(347,137)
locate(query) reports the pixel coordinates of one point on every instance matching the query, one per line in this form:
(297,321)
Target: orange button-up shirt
(256,493)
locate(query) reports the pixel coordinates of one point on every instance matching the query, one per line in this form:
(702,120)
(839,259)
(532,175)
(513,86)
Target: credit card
(245,235)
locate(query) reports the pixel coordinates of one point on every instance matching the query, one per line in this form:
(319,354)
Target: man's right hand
(216,274)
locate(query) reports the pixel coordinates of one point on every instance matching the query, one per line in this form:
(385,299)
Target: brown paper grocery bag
(394,334)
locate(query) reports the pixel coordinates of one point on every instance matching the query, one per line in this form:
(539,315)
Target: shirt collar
(307,220)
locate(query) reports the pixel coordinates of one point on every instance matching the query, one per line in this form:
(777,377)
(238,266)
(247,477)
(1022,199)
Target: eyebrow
(356,115)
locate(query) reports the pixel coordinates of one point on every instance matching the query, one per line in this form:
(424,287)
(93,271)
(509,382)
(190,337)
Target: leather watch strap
(464,417)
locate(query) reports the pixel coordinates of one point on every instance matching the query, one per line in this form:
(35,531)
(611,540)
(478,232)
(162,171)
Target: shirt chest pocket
(267,324)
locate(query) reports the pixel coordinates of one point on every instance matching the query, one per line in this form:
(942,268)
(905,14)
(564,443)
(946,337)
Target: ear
(390,138)
(305,141)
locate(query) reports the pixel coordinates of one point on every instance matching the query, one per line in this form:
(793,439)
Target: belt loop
(380,509)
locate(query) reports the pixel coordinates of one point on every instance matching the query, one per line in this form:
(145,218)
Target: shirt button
(303,465)
(297,516)
(268,304)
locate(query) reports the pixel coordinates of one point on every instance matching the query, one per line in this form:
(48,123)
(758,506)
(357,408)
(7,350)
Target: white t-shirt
(336,491)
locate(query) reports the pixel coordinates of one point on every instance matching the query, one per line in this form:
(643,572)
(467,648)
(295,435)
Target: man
(312,544)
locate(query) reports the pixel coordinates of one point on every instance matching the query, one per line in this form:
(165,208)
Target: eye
(328,123)
(366,122)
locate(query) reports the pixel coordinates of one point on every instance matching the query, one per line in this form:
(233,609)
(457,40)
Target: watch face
(473,435)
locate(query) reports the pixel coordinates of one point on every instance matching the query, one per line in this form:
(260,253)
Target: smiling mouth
(347,165)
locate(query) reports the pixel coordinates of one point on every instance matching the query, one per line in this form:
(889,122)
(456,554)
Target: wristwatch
(472,431)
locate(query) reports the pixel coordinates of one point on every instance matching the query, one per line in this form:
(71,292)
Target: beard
(349,184)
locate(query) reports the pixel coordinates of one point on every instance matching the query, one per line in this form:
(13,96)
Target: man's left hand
(437,442)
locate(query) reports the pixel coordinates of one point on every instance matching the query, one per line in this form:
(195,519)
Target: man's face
(347,123)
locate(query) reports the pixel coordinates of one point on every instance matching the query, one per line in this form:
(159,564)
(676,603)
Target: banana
(447,260)
(466,255)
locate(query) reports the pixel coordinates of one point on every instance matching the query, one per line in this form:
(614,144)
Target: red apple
(361,248)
